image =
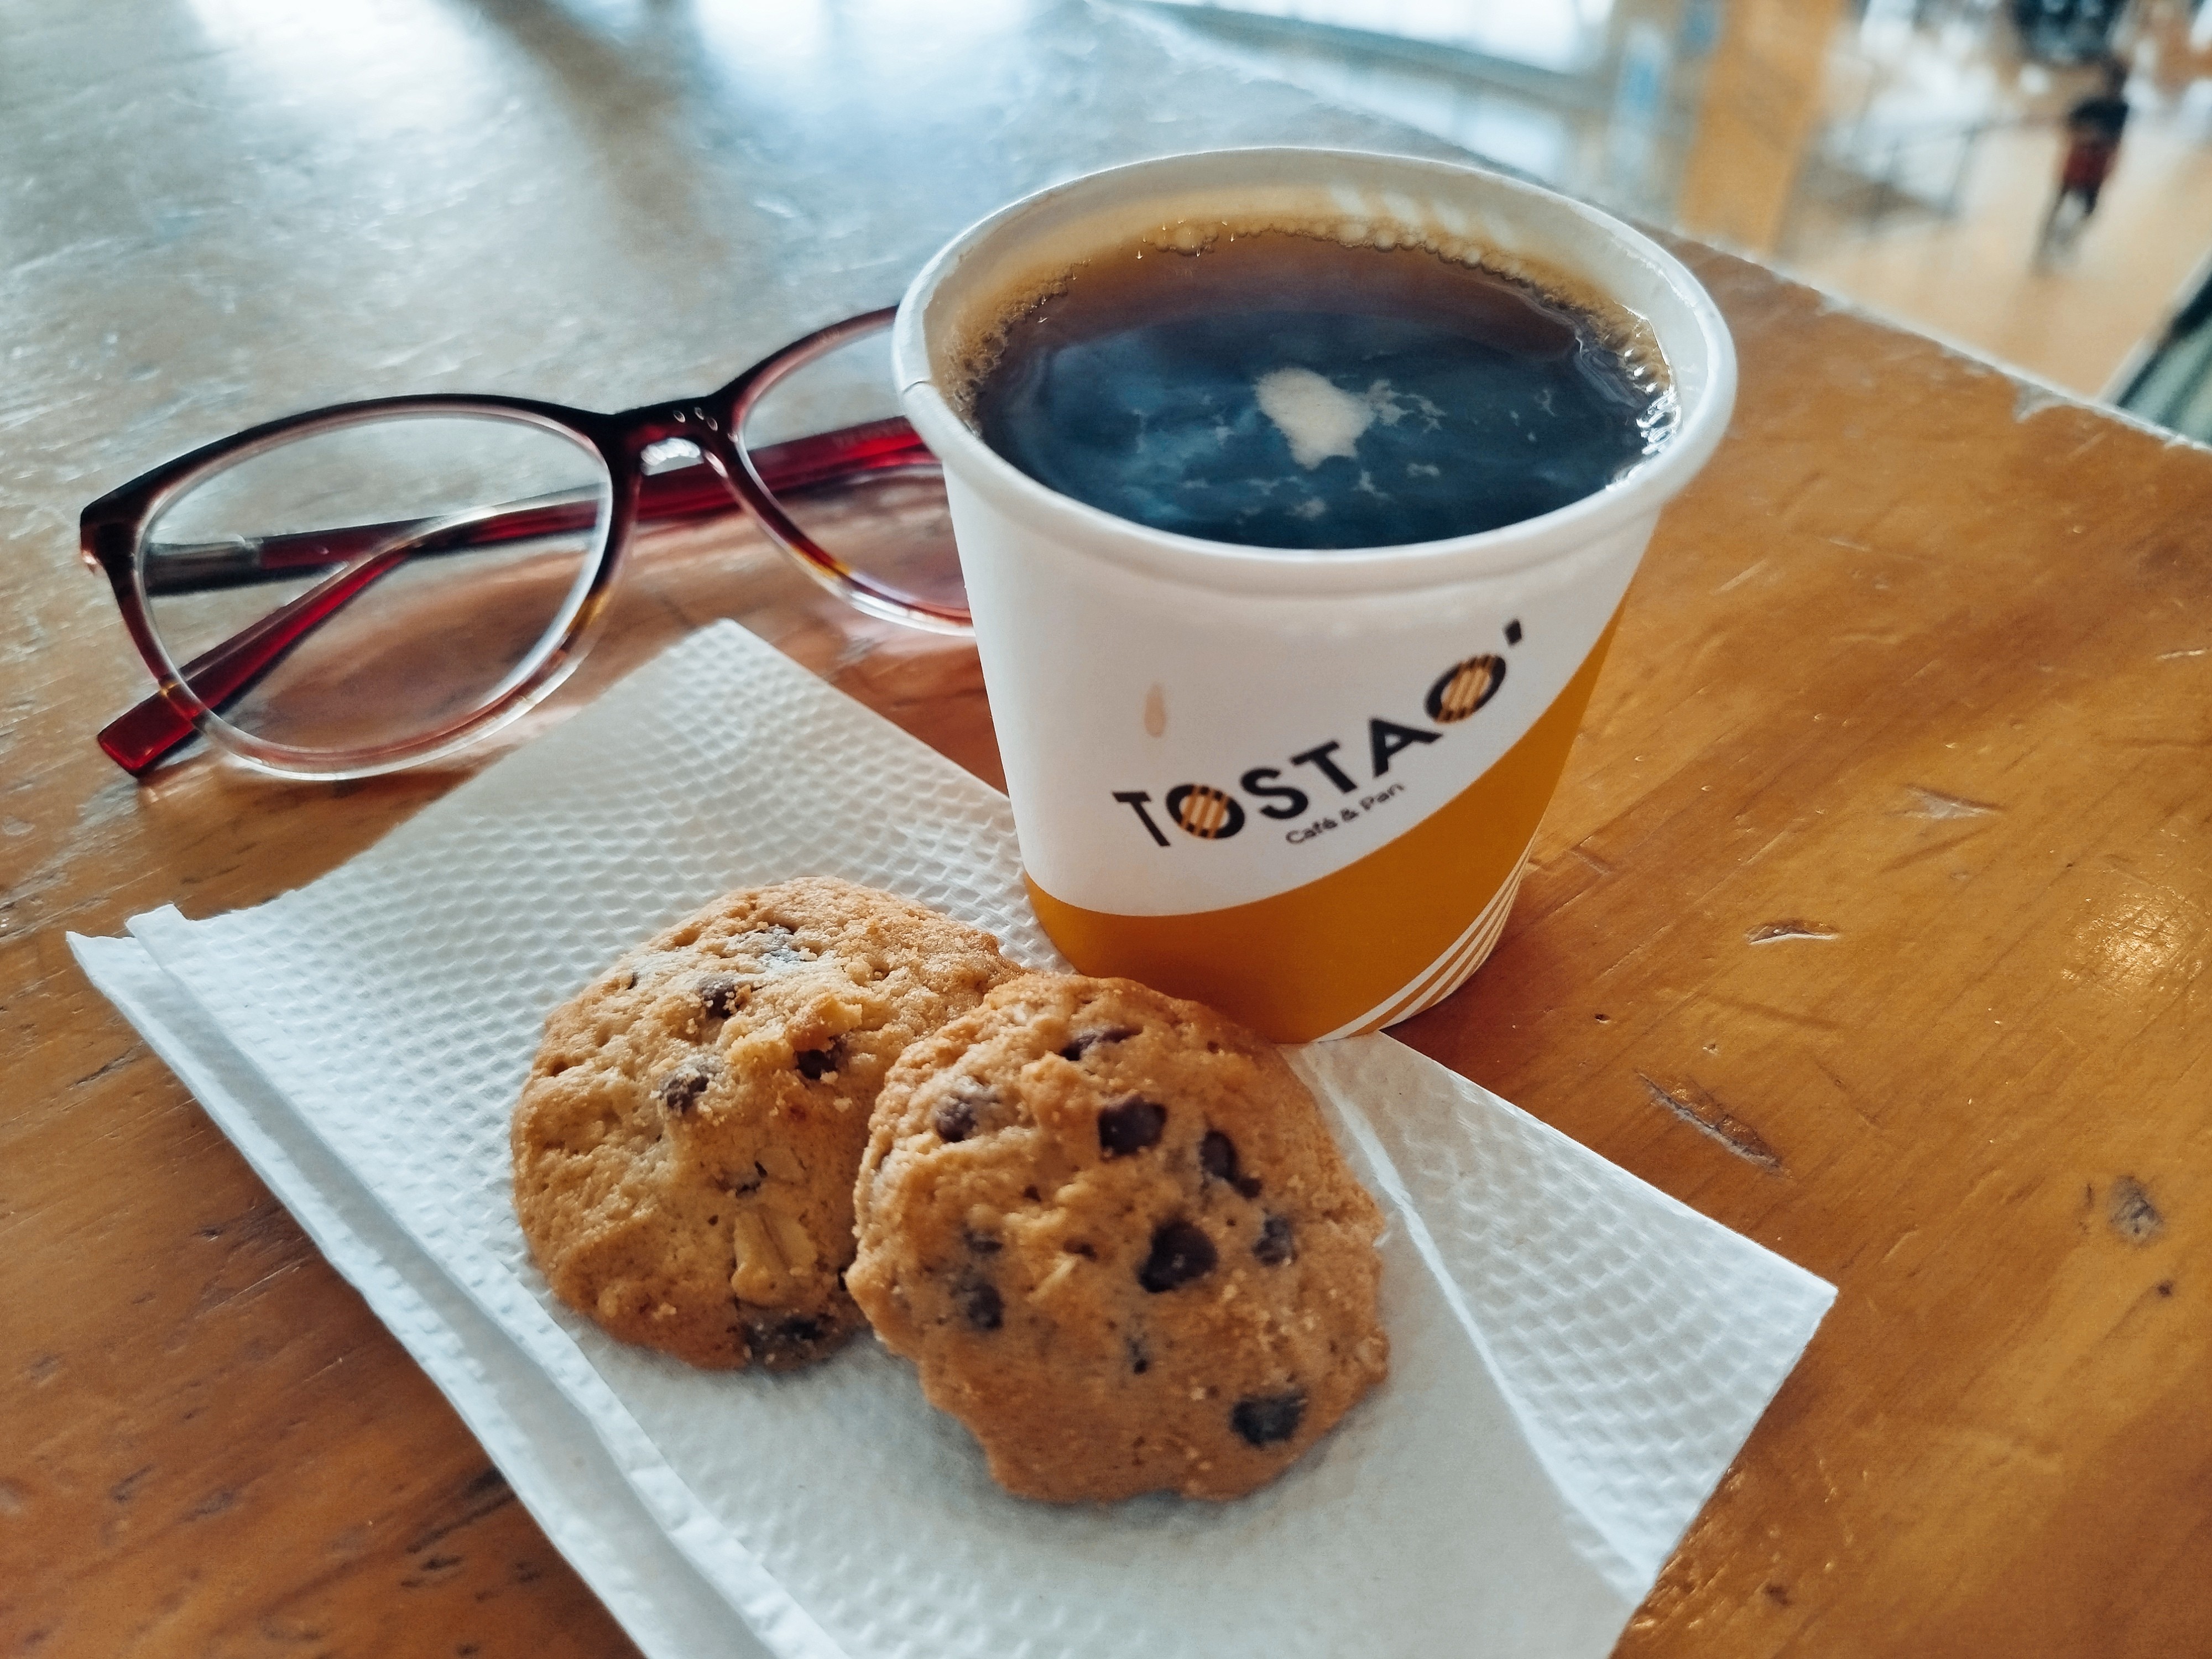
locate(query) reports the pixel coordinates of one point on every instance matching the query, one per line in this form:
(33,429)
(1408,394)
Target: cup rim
(1176,557)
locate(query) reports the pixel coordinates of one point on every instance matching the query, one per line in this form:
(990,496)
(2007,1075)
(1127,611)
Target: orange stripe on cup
(1300,965)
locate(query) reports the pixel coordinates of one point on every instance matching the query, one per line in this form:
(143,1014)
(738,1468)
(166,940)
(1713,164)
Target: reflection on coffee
(1285,390)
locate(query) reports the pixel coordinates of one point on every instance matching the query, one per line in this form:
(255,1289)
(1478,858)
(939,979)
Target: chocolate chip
(982,1244)
(1181,1253)
(1090,1040)
(1078,1248)
(722,996)
(980,1304)
(1139,1360)
(1130,1125)
(817,1063)
(953,1120)
(679,1091)
(1265,1419)
(1217,1155)
(781,1343)
(1273,1246)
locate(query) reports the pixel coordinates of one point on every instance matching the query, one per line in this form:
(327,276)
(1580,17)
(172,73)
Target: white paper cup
(1298,786)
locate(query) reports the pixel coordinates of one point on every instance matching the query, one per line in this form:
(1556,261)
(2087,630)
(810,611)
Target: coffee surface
(1285,391)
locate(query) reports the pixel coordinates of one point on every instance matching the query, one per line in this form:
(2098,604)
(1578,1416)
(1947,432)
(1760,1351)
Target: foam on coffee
(1316,416)
(1313,385)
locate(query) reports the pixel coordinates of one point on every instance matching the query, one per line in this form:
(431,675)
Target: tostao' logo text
(1287,792)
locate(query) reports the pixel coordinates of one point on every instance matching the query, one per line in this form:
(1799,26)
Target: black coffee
(1280,390)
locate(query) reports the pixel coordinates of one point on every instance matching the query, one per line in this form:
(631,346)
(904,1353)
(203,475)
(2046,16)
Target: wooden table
(1872,919)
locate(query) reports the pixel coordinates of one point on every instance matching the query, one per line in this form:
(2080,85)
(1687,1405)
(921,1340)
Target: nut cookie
(686,1148)
(1114,1233)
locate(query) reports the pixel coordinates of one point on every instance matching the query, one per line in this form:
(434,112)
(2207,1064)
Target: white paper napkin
(1575,1357)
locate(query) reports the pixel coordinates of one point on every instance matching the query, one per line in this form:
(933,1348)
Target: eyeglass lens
(439,559)
(879,510)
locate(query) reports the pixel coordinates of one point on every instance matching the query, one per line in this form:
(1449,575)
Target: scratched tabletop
(1871,920)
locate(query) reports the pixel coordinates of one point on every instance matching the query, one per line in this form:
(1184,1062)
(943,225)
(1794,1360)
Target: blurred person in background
(2093,127)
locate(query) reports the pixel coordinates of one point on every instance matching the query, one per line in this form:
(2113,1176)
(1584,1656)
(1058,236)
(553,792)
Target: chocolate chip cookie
(685,1149)
(1114,1233)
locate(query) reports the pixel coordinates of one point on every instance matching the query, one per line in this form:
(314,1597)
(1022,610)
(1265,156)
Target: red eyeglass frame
(191,697)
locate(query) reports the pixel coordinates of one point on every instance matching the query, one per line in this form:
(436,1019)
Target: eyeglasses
(371,586)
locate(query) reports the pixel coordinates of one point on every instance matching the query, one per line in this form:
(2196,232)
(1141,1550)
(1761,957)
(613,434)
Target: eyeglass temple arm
(152,728)
(140,738)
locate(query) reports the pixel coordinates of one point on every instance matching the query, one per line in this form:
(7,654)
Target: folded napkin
(1575,1357)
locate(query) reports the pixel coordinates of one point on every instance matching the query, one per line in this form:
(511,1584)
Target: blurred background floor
(1903,154)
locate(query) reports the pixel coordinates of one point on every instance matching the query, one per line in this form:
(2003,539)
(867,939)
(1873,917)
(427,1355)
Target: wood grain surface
(1871,920)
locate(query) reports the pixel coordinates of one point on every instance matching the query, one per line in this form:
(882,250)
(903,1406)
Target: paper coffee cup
(1300,786)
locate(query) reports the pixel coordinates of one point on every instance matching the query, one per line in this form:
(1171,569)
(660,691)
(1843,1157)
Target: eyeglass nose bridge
(698,421)
(711,428)
(677,437)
